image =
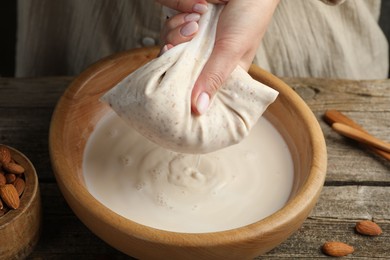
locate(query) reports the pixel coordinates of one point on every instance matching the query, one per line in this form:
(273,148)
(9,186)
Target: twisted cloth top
(156,99)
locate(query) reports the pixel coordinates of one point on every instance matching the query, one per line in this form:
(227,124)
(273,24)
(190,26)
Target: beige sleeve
(305,38)
(311,39)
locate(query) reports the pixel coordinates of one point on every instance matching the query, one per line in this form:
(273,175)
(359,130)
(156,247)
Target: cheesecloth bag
(156,98)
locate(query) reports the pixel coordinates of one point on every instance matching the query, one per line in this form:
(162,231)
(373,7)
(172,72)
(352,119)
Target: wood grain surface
(357,184)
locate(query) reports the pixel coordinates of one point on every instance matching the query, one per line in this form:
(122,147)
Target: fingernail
(194,17)
(202,104)
(189,29)
(163,50)
(200,8)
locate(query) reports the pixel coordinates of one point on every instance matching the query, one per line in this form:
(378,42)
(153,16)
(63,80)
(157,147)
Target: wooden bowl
(20,228)
(79,110)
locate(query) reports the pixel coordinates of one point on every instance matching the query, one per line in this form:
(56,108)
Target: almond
(368,228)
(10,178)
(14,168)
(9,195)
(3,180)
(336,248)
(19,184)
(5,155)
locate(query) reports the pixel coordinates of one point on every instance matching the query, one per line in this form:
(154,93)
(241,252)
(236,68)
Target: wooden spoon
(360,136)
(334,116)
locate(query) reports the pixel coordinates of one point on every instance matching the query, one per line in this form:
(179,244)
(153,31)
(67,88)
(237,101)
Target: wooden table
(357,185)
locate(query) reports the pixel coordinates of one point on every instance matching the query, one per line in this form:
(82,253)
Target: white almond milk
(226,189)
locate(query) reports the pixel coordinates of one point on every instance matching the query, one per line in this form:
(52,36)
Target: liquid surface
(226,189)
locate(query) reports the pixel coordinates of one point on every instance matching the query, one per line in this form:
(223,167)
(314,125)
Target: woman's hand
(240,28)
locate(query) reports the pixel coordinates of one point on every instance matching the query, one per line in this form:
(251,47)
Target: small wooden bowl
(20,228)
(79,110)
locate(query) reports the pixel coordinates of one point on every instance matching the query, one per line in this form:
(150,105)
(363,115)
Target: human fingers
(237,40)
(180,28)
(186,6)
(220,65)
(227,53)
(218,68)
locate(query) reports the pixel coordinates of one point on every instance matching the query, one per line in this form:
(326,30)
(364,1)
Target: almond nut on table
(368,228)
(337,249)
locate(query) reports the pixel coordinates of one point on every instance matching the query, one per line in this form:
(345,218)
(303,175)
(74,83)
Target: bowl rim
(311,187)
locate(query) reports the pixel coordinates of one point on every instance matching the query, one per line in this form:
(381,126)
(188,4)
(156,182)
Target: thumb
(215,72)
